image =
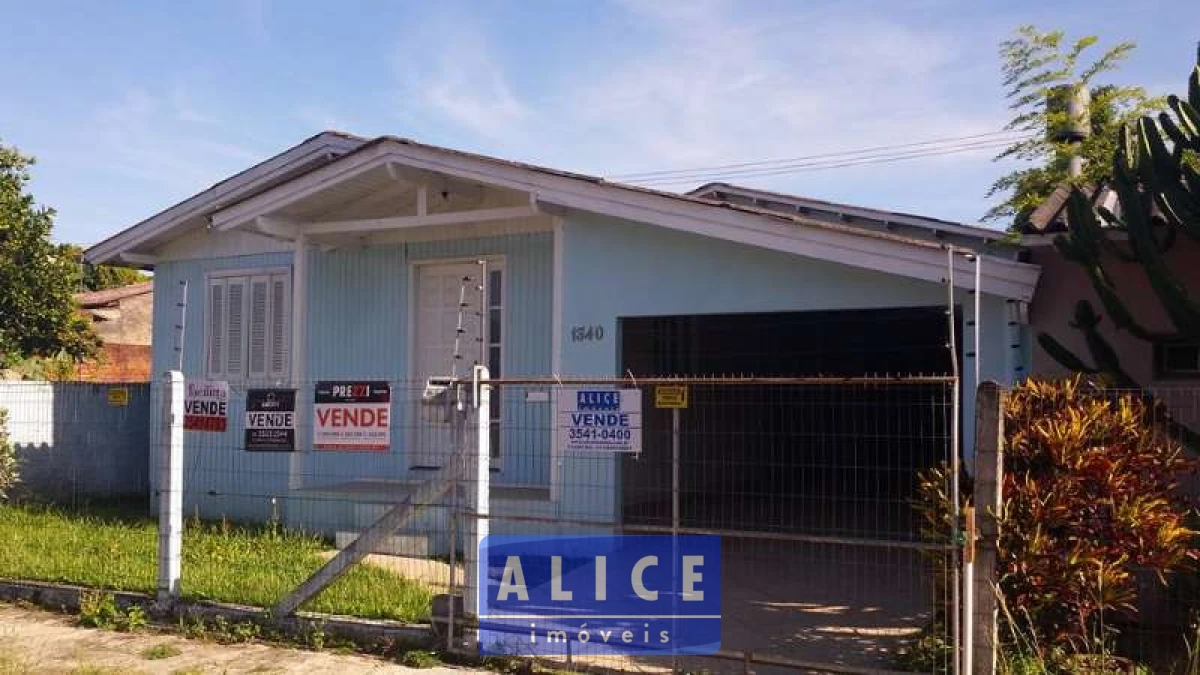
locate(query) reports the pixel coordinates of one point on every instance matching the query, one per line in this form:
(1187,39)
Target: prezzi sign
(206,405)
(271,420)
(600,595)
(600,420)
(352,416)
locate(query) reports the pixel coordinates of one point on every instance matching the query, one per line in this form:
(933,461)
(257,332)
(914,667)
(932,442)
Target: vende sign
(271,420)
(206,405)
(600,420)
(352,416)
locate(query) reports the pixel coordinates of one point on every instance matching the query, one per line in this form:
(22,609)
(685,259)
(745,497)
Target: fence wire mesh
(810,483)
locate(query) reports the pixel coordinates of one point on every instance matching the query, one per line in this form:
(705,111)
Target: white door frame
(494,261)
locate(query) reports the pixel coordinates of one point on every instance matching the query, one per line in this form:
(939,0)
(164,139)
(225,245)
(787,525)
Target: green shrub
(8,459)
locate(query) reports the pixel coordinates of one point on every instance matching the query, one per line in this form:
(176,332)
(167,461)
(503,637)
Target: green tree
(101,277)
(1037,66)
(37,314)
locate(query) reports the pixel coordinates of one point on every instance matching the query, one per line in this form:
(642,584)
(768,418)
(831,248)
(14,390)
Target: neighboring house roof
(906,224)
(110,296)
(252,200)
(1052,215)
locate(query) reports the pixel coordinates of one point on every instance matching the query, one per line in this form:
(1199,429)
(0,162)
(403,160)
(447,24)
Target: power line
(842,153)
(698,175)
(1005,137)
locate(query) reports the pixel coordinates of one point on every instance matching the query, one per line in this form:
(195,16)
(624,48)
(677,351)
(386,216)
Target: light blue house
(342,259)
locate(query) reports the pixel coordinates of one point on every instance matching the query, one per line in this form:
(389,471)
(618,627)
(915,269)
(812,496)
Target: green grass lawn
(250,565)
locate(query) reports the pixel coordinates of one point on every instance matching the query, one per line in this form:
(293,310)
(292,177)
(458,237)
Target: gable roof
(797,233)
(109,296)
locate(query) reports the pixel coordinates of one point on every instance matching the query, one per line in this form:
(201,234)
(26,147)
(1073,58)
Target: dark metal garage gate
(807,468)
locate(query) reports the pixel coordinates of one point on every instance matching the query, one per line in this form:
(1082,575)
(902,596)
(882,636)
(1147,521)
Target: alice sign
(599,420)
(596,595)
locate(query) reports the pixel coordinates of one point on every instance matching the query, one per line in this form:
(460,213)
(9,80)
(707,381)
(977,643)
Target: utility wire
(955,144)
(820,165)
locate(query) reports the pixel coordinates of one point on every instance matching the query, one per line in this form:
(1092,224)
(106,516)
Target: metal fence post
(170,488)
(989,472)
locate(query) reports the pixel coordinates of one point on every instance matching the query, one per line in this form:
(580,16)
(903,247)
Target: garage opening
(827,459)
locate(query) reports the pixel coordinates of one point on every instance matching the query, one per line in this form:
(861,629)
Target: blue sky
(131,108)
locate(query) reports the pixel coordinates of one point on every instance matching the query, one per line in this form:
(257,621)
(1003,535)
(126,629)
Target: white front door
(443,293)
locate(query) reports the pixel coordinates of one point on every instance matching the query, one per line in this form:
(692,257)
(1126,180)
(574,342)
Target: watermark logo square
(600,595)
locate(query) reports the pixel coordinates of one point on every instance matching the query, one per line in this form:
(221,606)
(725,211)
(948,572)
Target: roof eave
(760,227)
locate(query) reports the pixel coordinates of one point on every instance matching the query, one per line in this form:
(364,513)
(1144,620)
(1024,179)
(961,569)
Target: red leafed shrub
(1090,495)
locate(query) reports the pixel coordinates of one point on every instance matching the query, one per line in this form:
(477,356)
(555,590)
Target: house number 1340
(587,333)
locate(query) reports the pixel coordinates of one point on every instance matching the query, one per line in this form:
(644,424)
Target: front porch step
(408,545)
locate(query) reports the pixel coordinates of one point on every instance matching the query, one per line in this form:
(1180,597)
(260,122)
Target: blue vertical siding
(616,269)
(219,477)
(358,328)
(358,312)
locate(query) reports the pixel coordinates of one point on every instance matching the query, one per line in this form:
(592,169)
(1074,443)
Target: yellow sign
(118,396)
(670,396)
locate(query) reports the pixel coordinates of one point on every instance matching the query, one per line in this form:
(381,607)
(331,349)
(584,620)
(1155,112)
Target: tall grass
(250,565)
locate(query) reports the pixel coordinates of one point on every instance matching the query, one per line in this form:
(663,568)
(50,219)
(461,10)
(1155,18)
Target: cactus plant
(1157,182)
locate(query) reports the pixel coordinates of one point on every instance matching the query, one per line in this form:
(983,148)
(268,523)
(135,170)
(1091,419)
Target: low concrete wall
(73,443)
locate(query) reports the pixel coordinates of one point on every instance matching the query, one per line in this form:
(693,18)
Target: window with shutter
(281,325)
(216,328)
(235,360)
(249,326)
(259,312)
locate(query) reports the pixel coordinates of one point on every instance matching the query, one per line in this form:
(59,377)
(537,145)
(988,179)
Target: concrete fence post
(170,488)
(478,477)
(988,499)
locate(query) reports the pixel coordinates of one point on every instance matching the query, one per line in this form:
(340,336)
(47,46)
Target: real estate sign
(599,595)
(206,405)
(352,415)
(271,420)
(599,420)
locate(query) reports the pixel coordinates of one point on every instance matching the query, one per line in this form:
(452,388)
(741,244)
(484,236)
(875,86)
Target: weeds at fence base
(161,651)
(929,652)
(98,609)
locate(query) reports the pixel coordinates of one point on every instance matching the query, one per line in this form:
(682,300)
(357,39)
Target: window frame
(1162,372)
(247,276)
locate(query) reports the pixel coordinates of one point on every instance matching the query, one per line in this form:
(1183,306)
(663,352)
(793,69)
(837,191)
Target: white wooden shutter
(259,315)
(280,326)
(235,334)
(216,328)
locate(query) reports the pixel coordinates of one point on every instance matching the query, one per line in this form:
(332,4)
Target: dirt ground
(35,641)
